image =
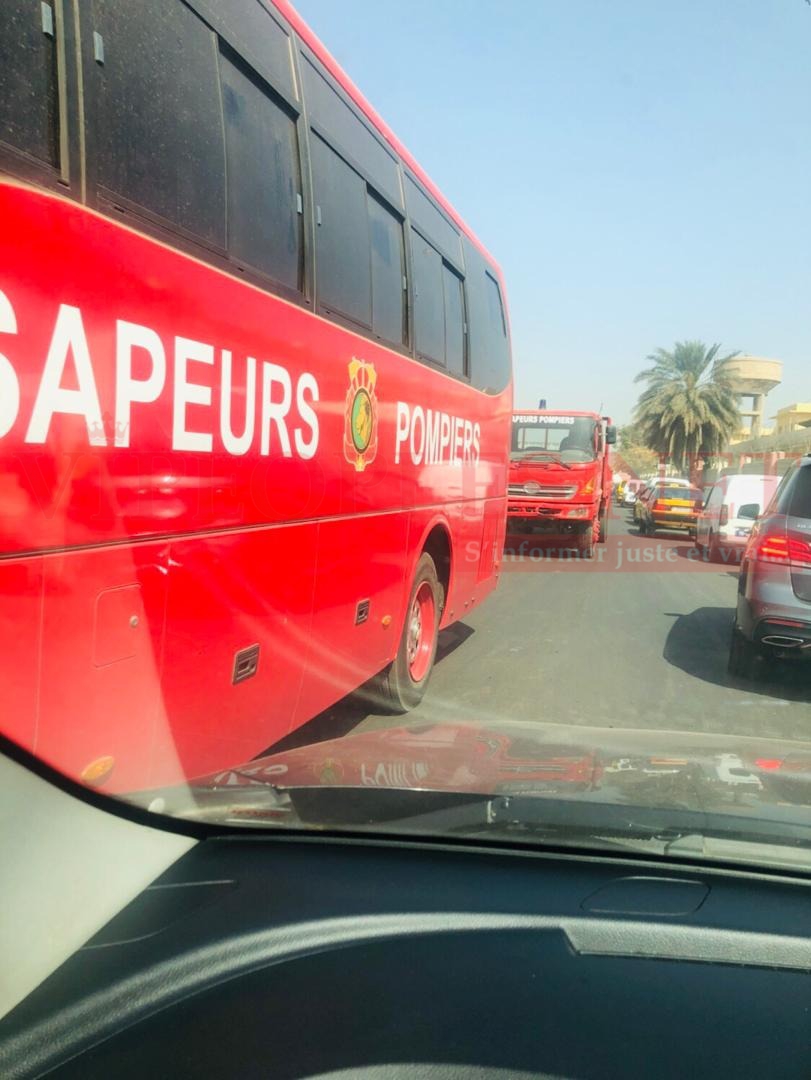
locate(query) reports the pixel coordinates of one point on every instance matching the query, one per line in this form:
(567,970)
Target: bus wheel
(587,542)
(403,683)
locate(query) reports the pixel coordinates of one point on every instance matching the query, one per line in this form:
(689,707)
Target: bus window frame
(66,177)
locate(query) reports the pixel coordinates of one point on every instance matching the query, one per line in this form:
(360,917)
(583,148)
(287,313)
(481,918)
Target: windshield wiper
(521,454)
(538,818)
(623,821)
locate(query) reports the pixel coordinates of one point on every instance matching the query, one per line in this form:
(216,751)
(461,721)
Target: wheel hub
(419,645)
(414,631)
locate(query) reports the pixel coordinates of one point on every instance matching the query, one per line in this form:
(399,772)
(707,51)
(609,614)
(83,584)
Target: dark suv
(773,616)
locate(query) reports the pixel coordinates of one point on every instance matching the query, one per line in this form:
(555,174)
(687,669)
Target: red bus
(255,390)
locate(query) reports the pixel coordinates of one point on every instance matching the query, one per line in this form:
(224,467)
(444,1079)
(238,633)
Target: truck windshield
(568,438)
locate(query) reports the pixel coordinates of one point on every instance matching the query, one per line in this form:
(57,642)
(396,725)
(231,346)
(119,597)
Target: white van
(730,507)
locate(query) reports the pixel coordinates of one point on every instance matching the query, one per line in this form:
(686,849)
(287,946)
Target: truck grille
(533,490)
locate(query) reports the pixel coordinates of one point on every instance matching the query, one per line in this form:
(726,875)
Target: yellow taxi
(645,491)
(670,506)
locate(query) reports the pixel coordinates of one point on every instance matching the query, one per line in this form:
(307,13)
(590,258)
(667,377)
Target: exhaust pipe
(783,641)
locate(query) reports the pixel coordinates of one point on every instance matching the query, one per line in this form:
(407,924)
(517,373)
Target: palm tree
(689,407)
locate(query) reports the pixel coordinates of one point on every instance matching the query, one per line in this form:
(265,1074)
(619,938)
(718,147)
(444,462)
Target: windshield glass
(340,428)
(684,494)
(800,505)
(570,438)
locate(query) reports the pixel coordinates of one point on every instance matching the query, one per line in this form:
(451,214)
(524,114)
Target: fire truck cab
(560,476)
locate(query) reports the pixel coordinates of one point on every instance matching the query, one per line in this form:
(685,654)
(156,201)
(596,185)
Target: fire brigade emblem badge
(360,415)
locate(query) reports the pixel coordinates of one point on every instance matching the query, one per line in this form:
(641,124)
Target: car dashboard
(290,956)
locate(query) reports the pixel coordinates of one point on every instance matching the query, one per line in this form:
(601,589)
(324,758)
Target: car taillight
(768,763)
(785,550)
(723,517)
(660,504)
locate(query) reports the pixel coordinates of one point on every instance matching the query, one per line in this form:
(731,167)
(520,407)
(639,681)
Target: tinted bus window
(495,359)
(498,326)
(264,226)
(454,322)
(251,29)
(29,115)
(427,217)
(158,124)
(330,113)
(488,346)
(342,235)
(429,315)
(388,267)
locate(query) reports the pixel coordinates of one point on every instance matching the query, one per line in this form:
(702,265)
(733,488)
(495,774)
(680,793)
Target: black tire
(743,656)
(603,533)
(713,551)
(586,542)
(395,689)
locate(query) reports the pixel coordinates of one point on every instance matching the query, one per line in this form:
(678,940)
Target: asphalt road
(637,640)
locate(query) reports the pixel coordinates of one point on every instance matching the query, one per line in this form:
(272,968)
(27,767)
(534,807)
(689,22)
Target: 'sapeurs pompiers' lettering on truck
(560,476)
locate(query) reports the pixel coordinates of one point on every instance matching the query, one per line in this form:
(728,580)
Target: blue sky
(641,169)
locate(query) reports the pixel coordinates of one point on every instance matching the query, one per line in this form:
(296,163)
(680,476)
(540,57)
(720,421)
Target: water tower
(753,377)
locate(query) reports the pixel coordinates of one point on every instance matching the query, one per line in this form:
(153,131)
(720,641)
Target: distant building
(743,435)
(791,436)
(794,417)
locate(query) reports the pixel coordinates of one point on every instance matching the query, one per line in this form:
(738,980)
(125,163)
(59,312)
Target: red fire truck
(560,476)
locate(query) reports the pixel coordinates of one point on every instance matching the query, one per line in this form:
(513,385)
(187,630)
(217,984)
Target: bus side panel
(102,637)
(161,467)
(139,478)
(494,530)
(358,560)
(466,531)
(20,619)
(228,593)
